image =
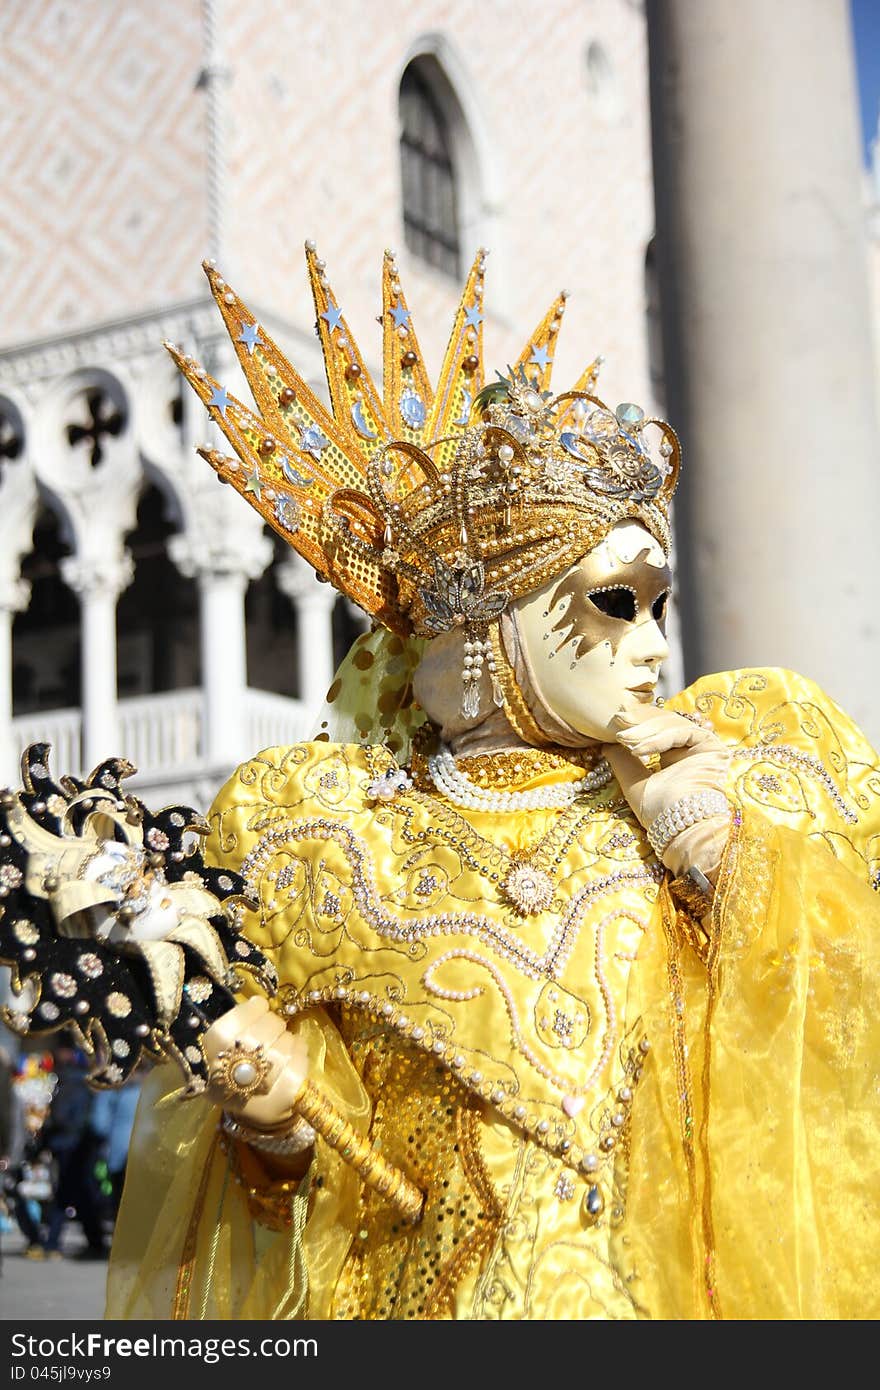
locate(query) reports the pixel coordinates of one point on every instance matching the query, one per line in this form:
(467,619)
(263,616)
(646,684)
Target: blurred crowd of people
(63,1151)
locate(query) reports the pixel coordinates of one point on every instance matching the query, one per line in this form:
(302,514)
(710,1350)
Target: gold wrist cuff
(291,1138)
(693,891)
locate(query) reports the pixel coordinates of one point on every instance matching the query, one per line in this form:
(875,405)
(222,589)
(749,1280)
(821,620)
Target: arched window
(271,627)
(46,636)
(157,616)
(11,436)
(430,205)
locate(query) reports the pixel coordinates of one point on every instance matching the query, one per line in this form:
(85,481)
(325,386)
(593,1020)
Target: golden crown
(431,508)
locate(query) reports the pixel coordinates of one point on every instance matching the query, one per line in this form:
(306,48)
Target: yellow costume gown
(614,1110)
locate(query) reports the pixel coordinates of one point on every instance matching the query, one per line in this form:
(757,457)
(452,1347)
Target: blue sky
(866,35)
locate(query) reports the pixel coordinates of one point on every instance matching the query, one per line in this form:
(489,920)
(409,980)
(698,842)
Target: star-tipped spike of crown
(536,358)
(406,386)
(356,404)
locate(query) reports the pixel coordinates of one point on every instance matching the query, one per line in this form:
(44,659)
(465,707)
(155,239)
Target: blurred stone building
(142,609)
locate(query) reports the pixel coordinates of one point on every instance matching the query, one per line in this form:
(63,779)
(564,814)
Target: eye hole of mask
(615,603)
(658,607)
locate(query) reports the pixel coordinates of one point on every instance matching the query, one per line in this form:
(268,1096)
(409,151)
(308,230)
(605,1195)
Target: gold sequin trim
(475,1246)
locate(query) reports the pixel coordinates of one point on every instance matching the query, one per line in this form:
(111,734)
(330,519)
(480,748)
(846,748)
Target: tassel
(470,702)
(497,692)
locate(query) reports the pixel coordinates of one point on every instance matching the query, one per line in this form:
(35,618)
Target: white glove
(693,760)
(253,1028)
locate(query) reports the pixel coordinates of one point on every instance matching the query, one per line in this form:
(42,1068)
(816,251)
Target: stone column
(98,581)
(224,664)
(14,595)
(223,573)
(767,337)
(314,604)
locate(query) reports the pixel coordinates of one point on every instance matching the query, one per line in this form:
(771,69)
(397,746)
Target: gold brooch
(241,1072)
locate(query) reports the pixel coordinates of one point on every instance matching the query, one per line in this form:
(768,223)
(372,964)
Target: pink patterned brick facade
(104,159)
(102,162)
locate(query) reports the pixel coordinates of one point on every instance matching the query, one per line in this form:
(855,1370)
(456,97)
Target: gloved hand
(692,760)
(252,1029)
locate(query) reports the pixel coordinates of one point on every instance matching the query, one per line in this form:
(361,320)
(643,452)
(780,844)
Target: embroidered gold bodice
(515,1038)
(398,908)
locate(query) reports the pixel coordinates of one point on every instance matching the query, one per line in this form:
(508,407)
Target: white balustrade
(163,735)
(161,731)
(60,727)
(272,720)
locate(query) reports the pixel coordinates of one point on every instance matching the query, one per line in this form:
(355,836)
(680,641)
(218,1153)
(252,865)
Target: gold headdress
(432,509)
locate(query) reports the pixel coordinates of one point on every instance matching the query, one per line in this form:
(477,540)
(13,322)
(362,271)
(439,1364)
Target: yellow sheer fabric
(370,699)
(741,1182)
(186,1244)
(757,1130)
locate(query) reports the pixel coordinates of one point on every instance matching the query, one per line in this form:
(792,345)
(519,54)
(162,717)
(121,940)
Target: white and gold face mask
(593,639)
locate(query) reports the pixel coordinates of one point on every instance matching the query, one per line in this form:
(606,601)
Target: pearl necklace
(458,788)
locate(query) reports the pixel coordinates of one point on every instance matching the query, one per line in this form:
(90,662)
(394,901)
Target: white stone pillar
(763,280)
(224,554)
(224,665)
(314,604)
(98,582)
(14,595)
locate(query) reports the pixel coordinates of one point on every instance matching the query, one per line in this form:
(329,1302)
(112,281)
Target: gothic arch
(475,156)
(83,452)
(46,633)
(80,426)
(13,433)
(157,614)
(162,432)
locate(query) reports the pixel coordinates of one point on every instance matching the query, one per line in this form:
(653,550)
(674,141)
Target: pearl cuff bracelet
(295,1140)
(682,814)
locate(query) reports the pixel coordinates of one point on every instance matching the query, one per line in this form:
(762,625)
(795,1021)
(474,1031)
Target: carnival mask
(594,638)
